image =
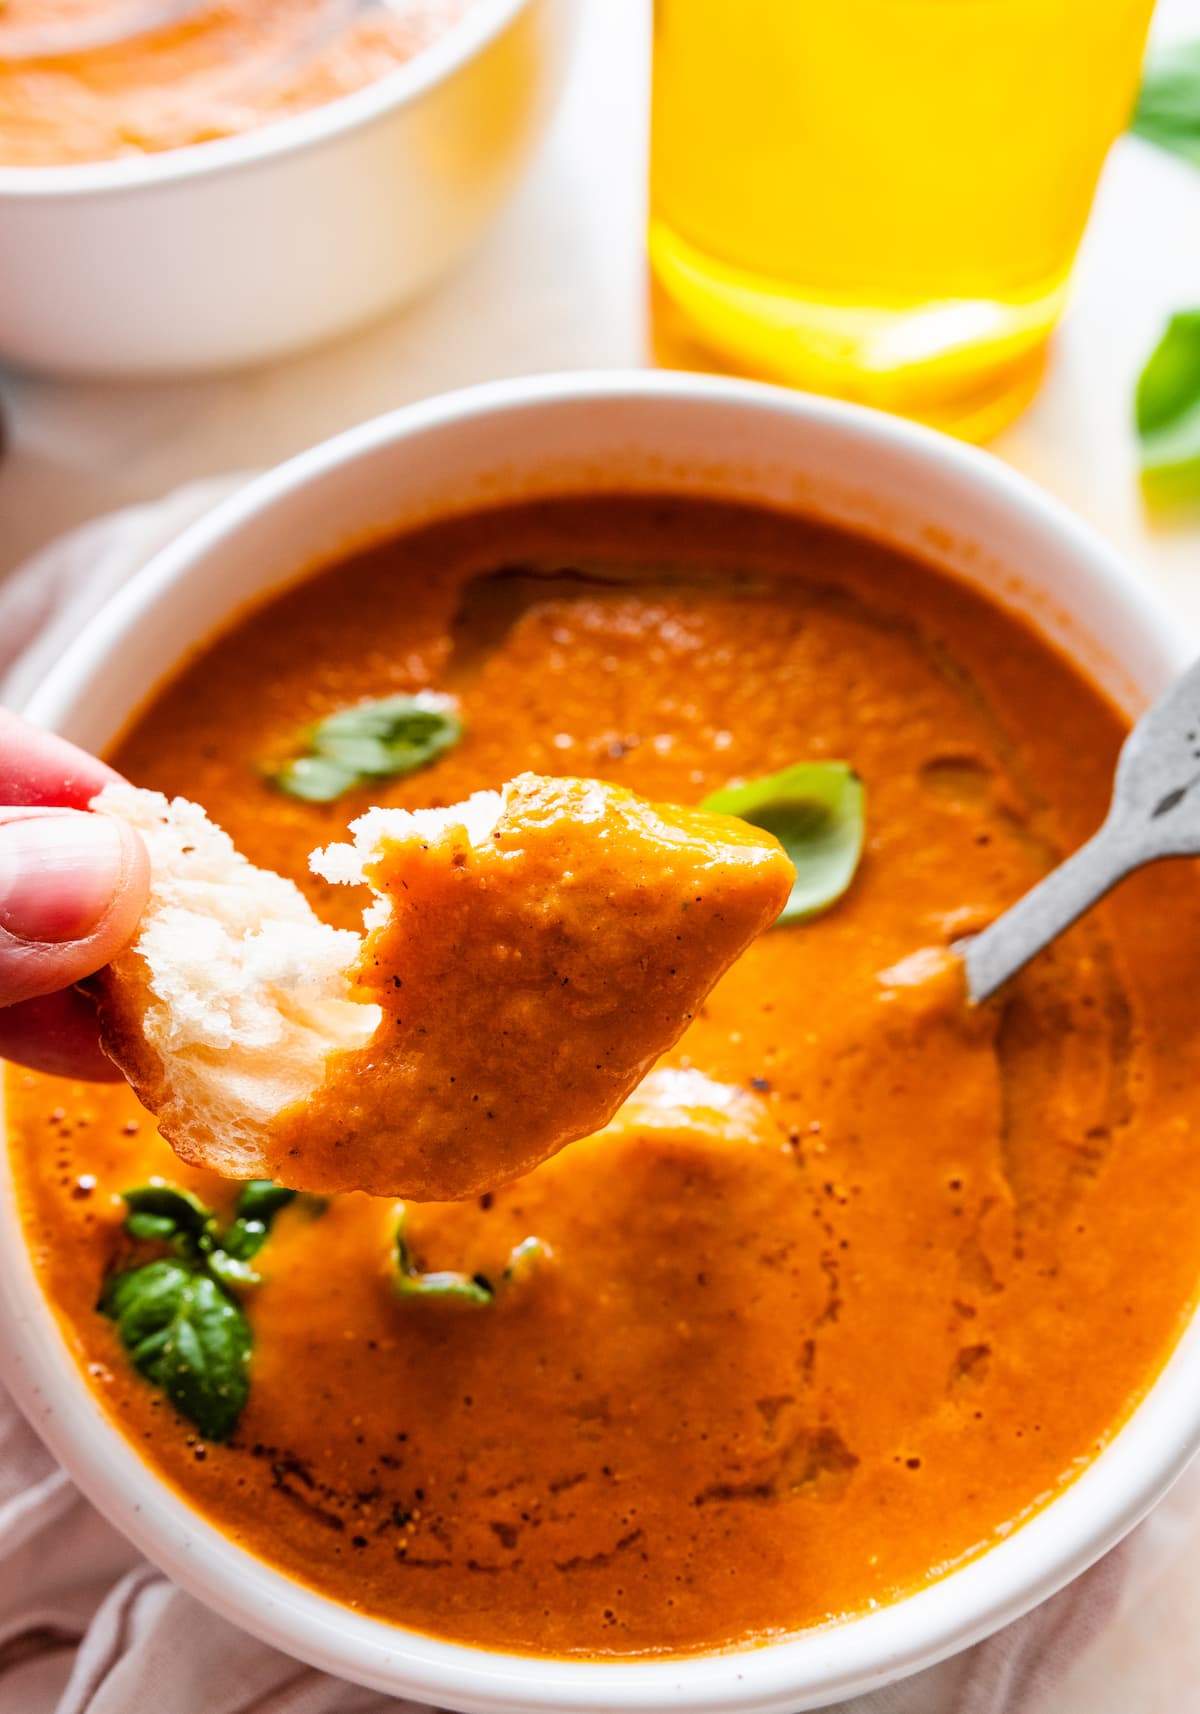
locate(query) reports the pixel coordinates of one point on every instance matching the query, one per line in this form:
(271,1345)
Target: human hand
(72,888)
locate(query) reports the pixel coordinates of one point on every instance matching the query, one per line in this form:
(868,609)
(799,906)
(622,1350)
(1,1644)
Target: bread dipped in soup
(527,957)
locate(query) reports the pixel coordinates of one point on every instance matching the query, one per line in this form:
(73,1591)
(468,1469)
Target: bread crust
(227,1003)
(122,995)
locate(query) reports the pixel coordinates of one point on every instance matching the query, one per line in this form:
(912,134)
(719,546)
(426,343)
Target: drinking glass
(880,199)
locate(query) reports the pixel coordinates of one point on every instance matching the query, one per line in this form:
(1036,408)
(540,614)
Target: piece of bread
(528,955)
(225,1007)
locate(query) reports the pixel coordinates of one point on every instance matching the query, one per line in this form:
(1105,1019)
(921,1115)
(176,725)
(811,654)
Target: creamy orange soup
(857,1280)
(91,82)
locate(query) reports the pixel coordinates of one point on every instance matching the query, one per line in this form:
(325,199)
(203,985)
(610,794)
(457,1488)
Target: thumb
(72,888)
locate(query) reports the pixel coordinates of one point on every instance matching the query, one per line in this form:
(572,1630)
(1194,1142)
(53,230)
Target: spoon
(1155,812)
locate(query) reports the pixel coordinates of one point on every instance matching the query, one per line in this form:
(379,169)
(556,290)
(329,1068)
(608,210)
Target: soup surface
(81,81)
(857,1279)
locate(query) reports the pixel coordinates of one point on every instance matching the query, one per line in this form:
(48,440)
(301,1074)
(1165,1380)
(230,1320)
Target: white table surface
(560,283)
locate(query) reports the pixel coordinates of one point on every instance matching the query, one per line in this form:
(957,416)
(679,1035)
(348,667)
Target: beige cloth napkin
(88,1627)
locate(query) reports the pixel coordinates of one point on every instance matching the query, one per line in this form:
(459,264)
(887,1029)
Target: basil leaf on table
(384,739)
(1168,414)
(817,811)
(1168,106)
(186,1335)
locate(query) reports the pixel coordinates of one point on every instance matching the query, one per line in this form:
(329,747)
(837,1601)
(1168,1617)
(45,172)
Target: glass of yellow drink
(880,199)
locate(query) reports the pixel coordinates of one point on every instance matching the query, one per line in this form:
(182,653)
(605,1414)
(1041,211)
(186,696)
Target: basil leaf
(244,1238)
(178,1319)
(233,1270)
(158,1210)
(162,1213)
(396,735)
(467,1288)
(151,1227)
(362,757)
(262,1199)
(187,1336)
(256,1207)
(816,810)
(425,722)
(1168,414)
(524,1256)
(1168,107)
(313,779)
(411,1282)
(392,736)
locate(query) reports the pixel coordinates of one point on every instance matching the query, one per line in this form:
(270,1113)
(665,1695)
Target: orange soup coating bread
(527,958)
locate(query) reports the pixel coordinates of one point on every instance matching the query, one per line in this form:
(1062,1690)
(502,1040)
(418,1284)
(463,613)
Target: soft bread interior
(482,1023)
(345,863)
(227,1005)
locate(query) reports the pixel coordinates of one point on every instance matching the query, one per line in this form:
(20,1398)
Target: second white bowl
(250,247)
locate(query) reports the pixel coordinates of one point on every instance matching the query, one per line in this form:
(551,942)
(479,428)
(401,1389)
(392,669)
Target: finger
(38,767)
(56,1033)
(72,889)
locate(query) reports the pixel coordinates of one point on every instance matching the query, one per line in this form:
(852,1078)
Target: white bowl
(687,434)
(242,249)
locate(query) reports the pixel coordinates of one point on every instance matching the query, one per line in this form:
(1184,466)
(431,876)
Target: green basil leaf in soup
(464,1288)
(158,1210)
(235,1271)
(151,1228)
(262,1199)
(1168,414)
(383,739)
(313,779)
(1168,107)
(524,1256)
(394,735)
(254,1213)
(410,1281)
(817,811)
(362,757)
(259,1201)
(184,1334)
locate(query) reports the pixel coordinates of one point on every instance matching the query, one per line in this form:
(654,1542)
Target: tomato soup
(95,82)
(856,1280)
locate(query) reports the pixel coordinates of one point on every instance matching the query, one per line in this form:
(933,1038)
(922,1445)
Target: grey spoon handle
(1042,915)
(1155,813)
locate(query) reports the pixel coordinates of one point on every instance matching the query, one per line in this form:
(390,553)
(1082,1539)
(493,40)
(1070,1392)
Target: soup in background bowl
(96,83)
(832,1358)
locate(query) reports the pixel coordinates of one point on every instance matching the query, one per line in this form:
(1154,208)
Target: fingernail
(59,874)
